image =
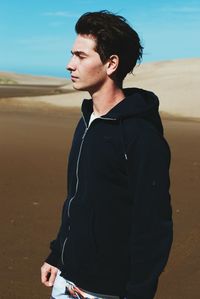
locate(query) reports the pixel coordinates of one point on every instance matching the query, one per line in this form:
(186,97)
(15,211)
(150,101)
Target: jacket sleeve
(54,257)
(151,232)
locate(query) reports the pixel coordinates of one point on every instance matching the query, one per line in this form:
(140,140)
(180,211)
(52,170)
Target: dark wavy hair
(113,36)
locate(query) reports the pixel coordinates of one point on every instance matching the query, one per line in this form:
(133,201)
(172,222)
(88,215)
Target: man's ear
(112,64)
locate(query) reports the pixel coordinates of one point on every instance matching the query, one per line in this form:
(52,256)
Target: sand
(34,145)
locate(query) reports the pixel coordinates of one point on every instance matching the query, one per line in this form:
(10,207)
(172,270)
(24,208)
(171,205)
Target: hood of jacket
(138,103)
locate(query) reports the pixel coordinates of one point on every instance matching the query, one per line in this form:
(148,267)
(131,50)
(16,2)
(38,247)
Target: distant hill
(10,77)
(22,85)
(176,82)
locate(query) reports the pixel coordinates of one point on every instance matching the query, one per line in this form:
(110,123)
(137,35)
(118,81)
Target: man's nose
(71,65)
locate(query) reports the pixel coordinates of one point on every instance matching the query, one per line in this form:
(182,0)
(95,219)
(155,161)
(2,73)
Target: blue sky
(36,36)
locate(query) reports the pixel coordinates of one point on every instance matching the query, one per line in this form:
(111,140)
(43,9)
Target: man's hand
(48,274)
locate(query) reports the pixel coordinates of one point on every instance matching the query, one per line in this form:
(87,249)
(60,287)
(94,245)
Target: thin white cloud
(60,14)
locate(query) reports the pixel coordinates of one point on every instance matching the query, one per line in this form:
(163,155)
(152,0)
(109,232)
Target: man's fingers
(45,273)
(52,277)
(48,274)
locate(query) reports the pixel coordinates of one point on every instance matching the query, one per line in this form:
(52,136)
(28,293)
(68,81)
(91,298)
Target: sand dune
(175,82)
(30,79)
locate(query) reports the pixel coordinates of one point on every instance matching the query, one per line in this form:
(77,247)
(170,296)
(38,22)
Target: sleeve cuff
(52,259)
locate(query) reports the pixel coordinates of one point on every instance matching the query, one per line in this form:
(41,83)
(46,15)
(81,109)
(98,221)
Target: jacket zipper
(77,183)
(77,165)
(77,180)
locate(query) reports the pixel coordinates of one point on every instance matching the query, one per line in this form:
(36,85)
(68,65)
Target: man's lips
(73,78)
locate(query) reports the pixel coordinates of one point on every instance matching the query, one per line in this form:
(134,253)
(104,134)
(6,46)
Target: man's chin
(78,87)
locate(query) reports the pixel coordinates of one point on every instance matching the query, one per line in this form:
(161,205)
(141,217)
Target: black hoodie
(116,229)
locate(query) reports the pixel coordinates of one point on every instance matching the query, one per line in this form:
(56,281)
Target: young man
(116,229)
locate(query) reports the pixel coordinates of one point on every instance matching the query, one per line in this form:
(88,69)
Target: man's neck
(105,99)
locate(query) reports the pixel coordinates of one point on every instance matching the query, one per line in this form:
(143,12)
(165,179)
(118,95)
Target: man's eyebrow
(78,53)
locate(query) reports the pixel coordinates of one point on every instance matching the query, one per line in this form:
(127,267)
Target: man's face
(87,70)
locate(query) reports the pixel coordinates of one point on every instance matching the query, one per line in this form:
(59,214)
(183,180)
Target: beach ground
(34,146)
